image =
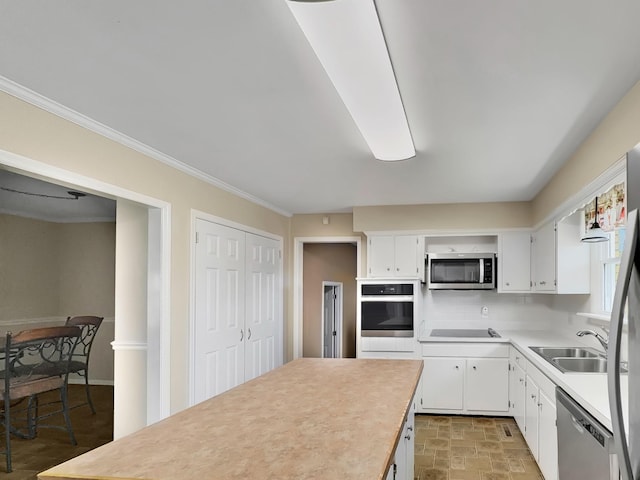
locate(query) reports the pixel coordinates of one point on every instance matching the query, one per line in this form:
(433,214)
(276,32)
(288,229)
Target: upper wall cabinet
(514,262)
(560,261)
(395,256)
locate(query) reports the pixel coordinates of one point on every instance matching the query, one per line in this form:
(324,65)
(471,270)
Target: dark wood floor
(52,446)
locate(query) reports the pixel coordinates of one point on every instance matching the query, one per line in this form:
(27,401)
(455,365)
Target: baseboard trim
(80,381)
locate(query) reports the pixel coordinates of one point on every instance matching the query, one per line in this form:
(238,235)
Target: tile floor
(471,448)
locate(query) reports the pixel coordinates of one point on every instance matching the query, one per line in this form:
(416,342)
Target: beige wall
(340,225)
(618,133)
(55,269)
(461,216)
(86,266)
(31,132)
(335,262)
(28,268)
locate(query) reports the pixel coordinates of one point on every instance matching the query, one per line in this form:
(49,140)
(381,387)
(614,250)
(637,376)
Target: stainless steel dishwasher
(585,447)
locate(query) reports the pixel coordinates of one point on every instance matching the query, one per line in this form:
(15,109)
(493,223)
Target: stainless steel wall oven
(387,309)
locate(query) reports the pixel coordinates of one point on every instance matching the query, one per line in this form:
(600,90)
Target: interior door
(329,322)
(263,306)
(219,309)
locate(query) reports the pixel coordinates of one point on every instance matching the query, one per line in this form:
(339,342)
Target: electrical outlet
(484,311)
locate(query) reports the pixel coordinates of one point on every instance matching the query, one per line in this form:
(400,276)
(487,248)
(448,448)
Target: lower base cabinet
(403,464)
(475,380)
(537,420)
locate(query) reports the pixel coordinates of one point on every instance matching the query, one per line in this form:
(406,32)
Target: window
(611,266)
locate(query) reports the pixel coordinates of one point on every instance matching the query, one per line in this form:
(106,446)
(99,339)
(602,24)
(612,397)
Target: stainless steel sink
(582,365)
(575,359)
(571,352)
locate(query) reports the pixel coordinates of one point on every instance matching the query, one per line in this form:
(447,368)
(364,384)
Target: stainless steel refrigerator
(624,391)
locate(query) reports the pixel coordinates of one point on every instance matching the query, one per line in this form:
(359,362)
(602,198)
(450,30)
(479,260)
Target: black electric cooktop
(465,333)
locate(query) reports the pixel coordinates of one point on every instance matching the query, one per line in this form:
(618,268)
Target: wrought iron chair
(36,361)
(80,362)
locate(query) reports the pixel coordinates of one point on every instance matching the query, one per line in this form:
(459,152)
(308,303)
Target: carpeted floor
(53,446)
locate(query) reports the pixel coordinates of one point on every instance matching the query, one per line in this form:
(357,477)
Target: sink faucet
(604,341)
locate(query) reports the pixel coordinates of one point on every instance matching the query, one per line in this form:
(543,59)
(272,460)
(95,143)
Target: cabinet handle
(241,335)
(474,367)
(533,396)
(540,405)
(249,337)
(410,428)
(543,283)
(521,380)
(397,269)
(457,367)
(408,437)
(507,284)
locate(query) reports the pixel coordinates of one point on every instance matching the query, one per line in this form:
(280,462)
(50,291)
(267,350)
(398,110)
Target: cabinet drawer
(518,358)
(450,349)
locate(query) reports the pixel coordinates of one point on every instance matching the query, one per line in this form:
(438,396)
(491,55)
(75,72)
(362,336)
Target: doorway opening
(154,218)
(332,312)
(313,262)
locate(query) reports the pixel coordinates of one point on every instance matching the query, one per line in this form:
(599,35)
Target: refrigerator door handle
(613,369)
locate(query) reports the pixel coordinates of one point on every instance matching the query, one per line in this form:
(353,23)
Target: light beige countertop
(309,419)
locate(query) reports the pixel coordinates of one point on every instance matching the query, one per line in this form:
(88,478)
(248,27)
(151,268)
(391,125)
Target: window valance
(612,209)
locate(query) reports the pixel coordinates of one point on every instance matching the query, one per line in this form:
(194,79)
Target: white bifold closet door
(238,298)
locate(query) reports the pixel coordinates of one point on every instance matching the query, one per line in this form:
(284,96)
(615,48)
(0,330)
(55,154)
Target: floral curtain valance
(612,209)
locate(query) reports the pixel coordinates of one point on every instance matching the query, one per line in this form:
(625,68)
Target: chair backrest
(88,325)
(38,354)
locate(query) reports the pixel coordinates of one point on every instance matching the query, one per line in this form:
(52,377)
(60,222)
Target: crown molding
(23,93)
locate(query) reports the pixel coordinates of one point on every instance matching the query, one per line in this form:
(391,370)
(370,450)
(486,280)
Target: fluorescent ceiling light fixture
(347,38)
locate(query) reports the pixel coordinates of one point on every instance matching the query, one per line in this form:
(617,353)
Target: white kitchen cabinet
(514,262)
(560,261)
(517,388)
(487,385)
(395,256)
(540,430)
(544,258)
(477,383)
(531,416)
(403,460)
(443,383)
(547,437)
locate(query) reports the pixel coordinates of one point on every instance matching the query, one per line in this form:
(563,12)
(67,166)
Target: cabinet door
(514,262)
(517,394)
(544,258)
(410,442)
(380,256)
(406,256)
(219,310)
(573,257)
(487,384)
(547,431)
(443,383)
(531,416)
(262,347)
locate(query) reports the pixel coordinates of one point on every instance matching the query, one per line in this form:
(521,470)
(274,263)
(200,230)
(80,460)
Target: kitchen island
(309,419)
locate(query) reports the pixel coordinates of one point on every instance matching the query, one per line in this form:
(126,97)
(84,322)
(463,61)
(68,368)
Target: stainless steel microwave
(461,271)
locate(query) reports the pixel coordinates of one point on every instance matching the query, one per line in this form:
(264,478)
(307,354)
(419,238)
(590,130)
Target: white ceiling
(498,93)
